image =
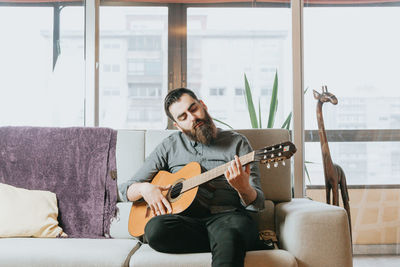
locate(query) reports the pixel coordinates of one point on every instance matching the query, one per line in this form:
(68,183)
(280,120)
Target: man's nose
(193,117)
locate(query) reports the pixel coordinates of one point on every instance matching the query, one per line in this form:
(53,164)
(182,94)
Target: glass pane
(364,163)
(32,93)
(133,72)
(224,44)
(357,57)
(359,62)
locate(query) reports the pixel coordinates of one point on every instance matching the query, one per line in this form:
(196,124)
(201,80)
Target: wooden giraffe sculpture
(334,175)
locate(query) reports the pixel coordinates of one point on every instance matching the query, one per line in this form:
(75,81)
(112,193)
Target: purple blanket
(75,163)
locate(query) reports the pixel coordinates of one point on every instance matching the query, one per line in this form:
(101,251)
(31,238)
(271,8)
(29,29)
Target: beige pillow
(28,213)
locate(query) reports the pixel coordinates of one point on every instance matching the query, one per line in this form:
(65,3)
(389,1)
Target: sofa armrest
(315,233)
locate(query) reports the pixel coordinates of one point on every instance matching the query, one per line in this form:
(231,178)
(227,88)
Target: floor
(378,260)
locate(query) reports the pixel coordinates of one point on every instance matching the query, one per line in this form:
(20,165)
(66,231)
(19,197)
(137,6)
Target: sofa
(309,233)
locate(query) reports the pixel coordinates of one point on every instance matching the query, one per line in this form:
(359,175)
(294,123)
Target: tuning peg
(283,163)
(268,165)
(275,164)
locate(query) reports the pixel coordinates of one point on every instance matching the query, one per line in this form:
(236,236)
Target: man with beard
(217,220)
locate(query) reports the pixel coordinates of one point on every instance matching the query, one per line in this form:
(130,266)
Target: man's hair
(174,96)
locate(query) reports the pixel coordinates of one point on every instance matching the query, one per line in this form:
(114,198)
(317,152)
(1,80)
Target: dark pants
(227,235)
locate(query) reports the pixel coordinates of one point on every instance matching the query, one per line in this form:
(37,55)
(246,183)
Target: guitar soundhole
(176,190)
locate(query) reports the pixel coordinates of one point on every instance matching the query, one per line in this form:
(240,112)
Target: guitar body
(141,213)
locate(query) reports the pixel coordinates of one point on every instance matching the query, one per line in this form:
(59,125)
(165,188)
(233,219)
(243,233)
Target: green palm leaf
(222,123)
(286,124)
(274,103)
(250,105)
(308,175)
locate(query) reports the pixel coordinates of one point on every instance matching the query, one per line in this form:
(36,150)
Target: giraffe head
(325,96)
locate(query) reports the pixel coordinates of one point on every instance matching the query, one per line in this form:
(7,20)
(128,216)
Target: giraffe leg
(328,193)
(345,197)
(335,193)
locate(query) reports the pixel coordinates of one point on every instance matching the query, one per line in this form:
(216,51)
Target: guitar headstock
(274,154)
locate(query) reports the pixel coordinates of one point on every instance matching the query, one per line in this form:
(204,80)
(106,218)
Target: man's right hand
(152,194)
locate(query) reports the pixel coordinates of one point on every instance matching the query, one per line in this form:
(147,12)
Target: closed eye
(193,108)
(182,117)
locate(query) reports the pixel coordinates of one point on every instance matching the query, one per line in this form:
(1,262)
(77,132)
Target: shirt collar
(193,143)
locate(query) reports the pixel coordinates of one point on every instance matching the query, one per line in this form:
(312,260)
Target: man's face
(192,118)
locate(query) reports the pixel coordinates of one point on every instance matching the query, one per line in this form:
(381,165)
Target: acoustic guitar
(185,182)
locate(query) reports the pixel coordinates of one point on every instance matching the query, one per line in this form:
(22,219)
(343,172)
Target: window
(110,91)
(32,91)
(145,91)
(217,91)
(115,68)
(239,91)
(112,46)
(144,43)
(224,44)
(136,68)
(144,115)
(365,89)
(266,91)
(357,57)
(395,159)
(139,66)
(144,67)
(107,68)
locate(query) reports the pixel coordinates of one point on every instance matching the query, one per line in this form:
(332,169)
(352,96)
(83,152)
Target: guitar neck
(214,173)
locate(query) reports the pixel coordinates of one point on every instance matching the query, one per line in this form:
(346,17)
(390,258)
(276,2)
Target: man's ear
(177,126)
(204,105)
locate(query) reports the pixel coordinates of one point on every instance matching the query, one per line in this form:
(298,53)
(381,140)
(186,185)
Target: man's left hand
(239,179)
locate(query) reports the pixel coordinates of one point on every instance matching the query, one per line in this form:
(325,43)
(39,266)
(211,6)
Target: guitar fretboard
(214,173)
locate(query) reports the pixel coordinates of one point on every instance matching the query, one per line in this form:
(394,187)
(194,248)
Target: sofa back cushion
(130,154)
(275,182)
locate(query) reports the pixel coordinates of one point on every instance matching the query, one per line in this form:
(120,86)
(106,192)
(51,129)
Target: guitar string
(244,158)
(176,190)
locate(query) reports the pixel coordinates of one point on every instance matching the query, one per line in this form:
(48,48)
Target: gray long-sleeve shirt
(217,195)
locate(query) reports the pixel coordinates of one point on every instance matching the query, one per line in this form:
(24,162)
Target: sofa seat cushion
(145,256)
(62,252)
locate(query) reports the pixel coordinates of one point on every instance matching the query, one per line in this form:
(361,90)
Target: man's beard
(204,133)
